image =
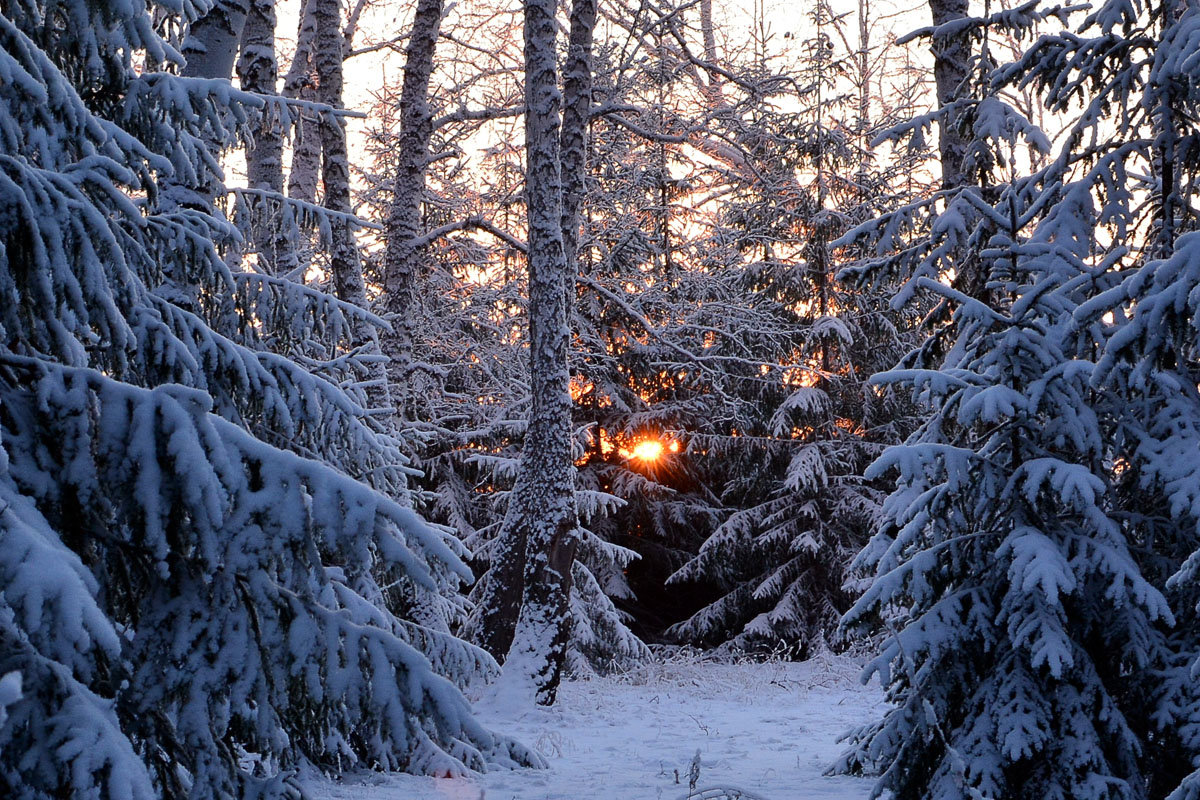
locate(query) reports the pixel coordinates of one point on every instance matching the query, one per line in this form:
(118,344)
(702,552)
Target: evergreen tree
(196,590)
(1004,573)
(1018,573)
(1134,72)
(792,478)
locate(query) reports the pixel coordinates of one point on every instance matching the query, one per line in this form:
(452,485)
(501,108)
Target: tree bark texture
(344,263)
(403,258)
(272,223)
(211,45)
(210,49)
(542,517)
(577,103)
(299,83)
(951,64)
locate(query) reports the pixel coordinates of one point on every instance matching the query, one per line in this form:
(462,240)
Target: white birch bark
(951,62)
(349,285)
(300,83)
(863,67)
(306,158)
(404,255)
(211,45)
(272,224)
(542,517)
(577,104)
(344,263)
(210,48)
(709,35)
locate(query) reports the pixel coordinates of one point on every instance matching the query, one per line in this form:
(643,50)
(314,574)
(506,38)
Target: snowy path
(766,728)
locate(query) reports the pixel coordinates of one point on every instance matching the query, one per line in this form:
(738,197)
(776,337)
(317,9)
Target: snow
(769,729)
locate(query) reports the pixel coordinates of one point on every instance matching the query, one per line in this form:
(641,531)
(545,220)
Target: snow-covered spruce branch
(313,210)
(329,514)
(286,286)
(1019,19)
(643,132)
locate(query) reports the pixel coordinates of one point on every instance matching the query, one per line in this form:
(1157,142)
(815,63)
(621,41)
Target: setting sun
(648,450)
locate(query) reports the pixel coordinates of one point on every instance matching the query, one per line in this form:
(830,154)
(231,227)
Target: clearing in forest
(769,729)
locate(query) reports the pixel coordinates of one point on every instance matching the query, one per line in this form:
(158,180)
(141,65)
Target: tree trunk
(349,285)
(299,83)
(344,263)
(863,122)
(708,34)
(542,517)
(577,106)
(211,45)
(951,63)
(403,258)
(1166,143)
(272,223)
(951,67)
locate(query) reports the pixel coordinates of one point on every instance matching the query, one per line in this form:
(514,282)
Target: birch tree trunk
(211,45)
(328,56)
(542,518)
(344,263)
(863,67)
(272,224)
(951,62)
(577,105)
(708,32)
(403,257)
(299,83)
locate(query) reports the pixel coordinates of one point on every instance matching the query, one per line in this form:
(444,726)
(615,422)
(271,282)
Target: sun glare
(648,450)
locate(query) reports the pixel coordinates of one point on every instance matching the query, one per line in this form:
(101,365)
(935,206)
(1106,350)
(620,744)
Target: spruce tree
(202,585)
(800,508)
(1015,580)
(1134,72)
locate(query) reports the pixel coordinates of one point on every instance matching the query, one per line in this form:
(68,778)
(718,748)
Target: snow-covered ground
(769,729)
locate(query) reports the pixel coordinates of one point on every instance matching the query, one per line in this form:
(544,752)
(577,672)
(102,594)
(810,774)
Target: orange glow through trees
(648,450)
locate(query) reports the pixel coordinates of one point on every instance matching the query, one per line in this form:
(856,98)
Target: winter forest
(416,398)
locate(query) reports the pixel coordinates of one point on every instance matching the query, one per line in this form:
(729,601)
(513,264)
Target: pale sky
(474,22)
